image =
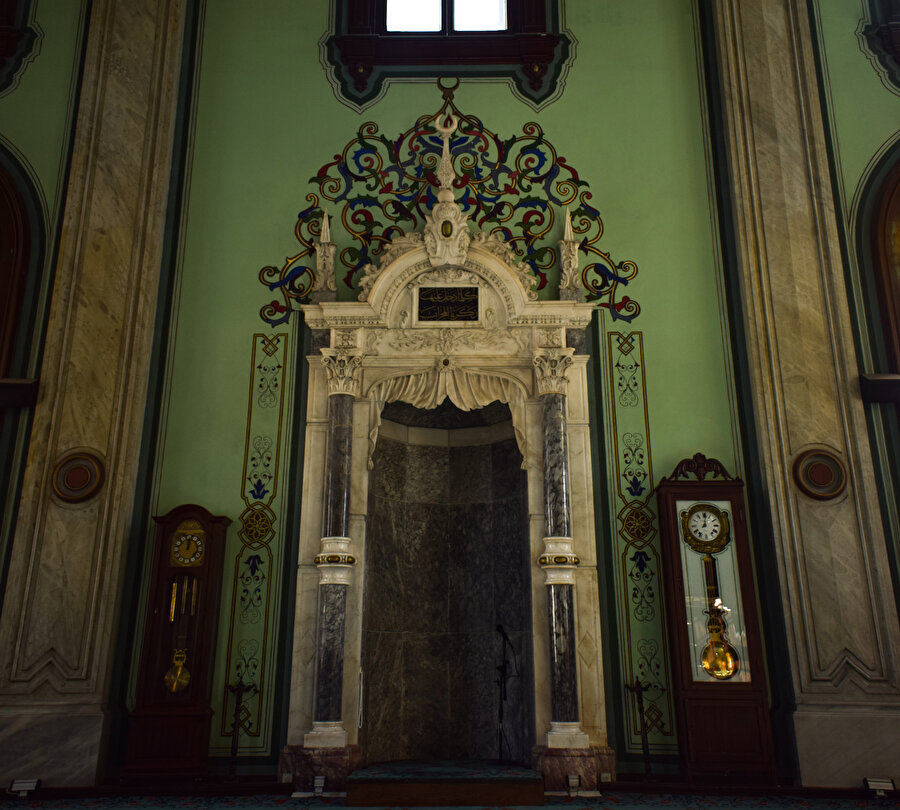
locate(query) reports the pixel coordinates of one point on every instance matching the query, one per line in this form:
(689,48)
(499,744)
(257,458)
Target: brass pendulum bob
(178,676)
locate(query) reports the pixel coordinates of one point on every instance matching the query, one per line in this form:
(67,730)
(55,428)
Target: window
(376,40)
(429,15)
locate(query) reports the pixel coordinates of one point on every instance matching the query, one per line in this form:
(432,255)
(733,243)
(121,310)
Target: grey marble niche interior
(447,560)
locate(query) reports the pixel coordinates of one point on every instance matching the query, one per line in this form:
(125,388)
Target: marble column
(559,560)
(66,567)
(334,561)
(830,553)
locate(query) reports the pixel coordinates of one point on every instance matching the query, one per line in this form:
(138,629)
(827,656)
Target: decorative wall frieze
(550,366)
(448,341)
(636,554)
(448,274)
(549,337)
(342,370)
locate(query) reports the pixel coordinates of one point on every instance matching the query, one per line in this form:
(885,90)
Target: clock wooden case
(719,683)
(168,729)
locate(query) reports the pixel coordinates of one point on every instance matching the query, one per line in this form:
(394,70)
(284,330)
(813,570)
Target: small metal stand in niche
(239,690)
(638,690)
(503,675)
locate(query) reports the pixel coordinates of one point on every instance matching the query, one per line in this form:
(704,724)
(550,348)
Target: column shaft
(556,465)
(337,473)
(330,653)
(563,678)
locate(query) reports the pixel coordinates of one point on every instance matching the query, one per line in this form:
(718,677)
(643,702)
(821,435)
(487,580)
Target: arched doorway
(446,566)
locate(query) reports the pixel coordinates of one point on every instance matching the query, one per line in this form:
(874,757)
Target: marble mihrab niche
(447,561)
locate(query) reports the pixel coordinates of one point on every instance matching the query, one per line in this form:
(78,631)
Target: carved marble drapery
(468,390)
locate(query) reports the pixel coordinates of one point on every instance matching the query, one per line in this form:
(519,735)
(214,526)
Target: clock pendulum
(718,658)
(706,530)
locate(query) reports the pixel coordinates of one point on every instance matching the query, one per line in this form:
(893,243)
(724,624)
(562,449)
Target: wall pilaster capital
(550,366)
(343,370)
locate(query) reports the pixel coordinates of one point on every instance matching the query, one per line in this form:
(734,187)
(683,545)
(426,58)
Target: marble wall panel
(581,493)
(64,584)
(843,635)
(303,661)
(470,475)
(440,575)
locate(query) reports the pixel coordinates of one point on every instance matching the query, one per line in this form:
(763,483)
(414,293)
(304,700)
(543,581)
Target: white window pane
(479,15)
(413,15)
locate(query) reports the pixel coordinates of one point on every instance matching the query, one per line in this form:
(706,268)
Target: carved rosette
(342,370)
(550,366)
(334,561)
(559,560)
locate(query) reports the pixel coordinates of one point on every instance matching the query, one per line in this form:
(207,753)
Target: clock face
(705,528)
(705,525)
(187,548)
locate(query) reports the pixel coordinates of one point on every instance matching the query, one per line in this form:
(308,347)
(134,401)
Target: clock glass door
(716,629)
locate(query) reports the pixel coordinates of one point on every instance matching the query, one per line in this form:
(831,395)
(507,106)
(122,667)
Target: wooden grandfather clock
(168,731)
(719,683)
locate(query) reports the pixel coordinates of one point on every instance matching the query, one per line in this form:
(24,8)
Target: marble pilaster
(65,573)
(842,628)
(559,560)
(334,561)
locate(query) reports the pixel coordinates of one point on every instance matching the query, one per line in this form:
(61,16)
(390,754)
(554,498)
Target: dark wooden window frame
(531,52)
(885,252)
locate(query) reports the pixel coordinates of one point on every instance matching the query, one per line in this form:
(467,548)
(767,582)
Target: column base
(326,735)
(593,766)
(566,735)
(305,764)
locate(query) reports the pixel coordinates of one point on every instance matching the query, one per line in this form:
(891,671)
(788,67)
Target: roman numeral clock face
(705,525)
(187,548)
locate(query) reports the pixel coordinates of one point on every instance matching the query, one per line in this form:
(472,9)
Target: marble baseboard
(593,765)
(30,747)
(839,749)
(304,764)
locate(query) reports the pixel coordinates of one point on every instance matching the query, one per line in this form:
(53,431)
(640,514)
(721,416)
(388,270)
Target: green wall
(631,120)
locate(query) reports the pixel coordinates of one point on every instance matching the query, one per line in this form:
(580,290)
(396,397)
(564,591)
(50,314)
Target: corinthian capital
(342,370)
(550,366)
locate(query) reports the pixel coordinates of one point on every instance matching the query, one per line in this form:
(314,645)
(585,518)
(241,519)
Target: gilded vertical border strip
(255,560)
(644,655)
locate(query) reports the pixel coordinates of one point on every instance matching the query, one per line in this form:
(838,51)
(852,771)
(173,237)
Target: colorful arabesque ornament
(513,187)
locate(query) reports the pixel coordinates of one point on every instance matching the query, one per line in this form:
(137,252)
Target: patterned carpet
(613,800)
